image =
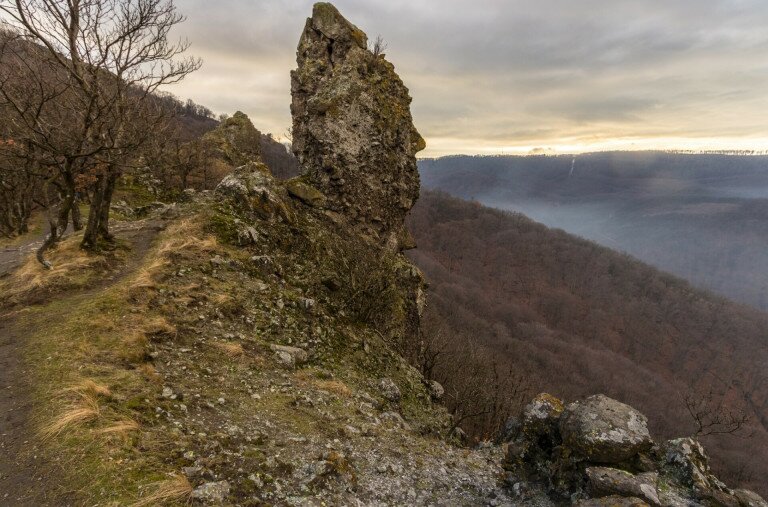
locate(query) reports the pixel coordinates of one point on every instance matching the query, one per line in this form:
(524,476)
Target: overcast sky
(493,76)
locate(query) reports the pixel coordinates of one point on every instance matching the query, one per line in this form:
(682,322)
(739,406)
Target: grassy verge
(95,389)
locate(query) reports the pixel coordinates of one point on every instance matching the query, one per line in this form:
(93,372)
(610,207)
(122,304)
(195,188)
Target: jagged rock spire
(352,127)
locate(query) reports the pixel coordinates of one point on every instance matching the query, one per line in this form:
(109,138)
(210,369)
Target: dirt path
(26,478)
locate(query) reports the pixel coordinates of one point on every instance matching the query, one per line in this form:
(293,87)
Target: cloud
(514,73)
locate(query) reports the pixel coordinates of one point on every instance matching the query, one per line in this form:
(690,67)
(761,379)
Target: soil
(27,475)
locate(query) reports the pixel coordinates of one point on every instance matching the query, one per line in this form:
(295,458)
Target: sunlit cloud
(512,76)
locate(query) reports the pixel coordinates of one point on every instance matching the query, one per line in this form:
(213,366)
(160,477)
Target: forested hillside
(574,318)
(703,217)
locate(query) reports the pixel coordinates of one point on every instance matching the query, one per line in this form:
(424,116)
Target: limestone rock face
(604,430)
(352,128)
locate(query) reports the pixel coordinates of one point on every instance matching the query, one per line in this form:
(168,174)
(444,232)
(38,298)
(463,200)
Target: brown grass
(79,412)
(121,428)
(144,278)
(184,236)
(150,372)
(176,489)
(72,268)
(336,387)
(89,387)
(234,350)
(159,326)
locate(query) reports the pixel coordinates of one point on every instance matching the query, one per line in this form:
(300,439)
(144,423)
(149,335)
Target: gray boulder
(603,430)
(685,460)
(290,356)
(610,481)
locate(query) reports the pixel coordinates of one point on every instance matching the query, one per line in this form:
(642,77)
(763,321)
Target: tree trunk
(97,229)
(54,221)
(106,204)
(77,219)
(91,234)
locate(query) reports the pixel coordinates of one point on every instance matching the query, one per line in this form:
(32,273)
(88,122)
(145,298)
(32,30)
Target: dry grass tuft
(89,387)
(145,277)
(150,372)
(120,428)
(159,326)
(80,412)
(336,387)
(231,349)
(176,489)
(71,268)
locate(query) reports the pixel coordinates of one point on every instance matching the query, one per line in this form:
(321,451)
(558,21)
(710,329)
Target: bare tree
(378,46)
(96,66)
(711,415)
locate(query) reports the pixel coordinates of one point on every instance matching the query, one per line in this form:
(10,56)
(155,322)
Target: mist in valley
(703,217)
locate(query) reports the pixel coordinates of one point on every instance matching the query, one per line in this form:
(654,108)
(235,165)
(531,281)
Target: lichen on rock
(352,127)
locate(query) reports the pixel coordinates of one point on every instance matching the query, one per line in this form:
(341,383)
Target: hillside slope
(580,318)
(703,217)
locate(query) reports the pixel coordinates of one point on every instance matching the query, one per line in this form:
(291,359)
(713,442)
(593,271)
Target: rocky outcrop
(598,452)
(235,141)
(352,128)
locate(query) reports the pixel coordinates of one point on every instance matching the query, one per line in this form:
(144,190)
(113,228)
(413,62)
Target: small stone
(290,356)
(167,392)
(304,192)
(307,304)
(211,492)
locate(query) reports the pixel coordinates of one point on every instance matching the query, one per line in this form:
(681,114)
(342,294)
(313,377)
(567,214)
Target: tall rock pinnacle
(352,128)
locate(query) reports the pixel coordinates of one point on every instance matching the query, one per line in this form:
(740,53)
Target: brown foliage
(577,319)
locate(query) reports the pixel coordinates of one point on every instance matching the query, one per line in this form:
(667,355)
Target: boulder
(252,188)
(748,498)
(542,414)
(235,141)
(685,459)
(610,481)
(353,132)
(306,193)
(603,430)
(436,390)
